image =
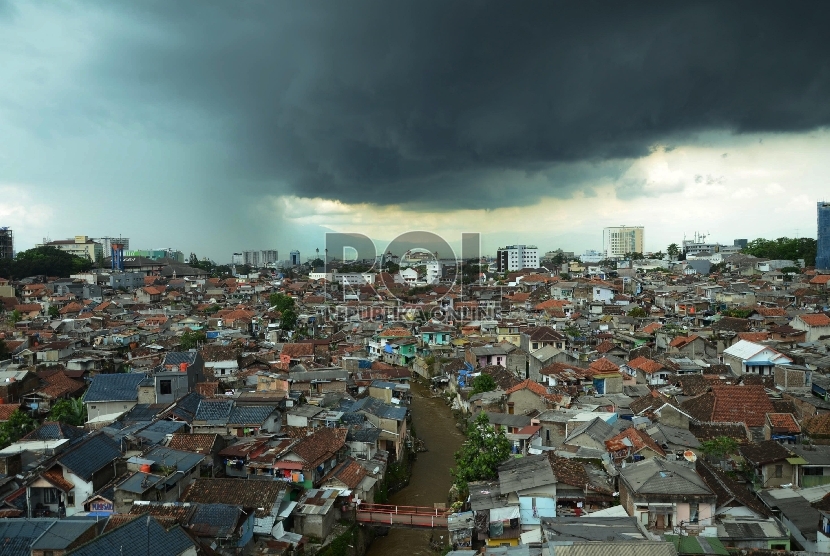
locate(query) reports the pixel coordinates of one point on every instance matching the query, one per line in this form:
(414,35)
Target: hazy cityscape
(390,278)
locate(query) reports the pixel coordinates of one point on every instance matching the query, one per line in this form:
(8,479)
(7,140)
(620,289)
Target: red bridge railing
(413,516)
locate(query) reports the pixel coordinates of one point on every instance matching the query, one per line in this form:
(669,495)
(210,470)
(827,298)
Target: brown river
(430,482)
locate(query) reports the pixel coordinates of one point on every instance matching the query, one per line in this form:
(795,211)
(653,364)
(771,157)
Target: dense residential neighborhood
(272,412)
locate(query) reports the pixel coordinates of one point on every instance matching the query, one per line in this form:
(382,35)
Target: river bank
(430,481)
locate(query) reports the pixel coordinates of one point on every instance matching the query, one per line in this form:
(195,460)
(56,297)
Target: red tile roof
(55,476)
(537,389)
(603,365)
(298,350)
(741,404)
(784,422)
(638,440)
(7,409)
(817,426)
(552,304)
(821,279)
(199,443)
(815,319)
(645,364)
(395,333)
(754,336)
(319,446)
(652,328)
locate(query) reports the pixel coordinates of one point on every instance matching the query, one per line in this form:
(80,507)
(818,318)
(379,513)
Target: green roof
(697,545)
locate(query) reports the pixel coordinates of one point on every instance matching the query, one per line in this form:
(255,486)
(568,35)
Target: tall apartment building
(295,258)
(251,258)
(517,257)
(617,241)
(6,243)
(823,235)
(269,257)
(237,259)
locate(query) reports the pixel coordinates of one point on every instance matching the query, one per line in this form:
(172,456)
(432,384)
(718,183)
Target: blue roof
(139,537)
(184,461)
(214,520)
(139,482)
(178,357)
(214,411)
(114,388)
(17,535)
(250,414)
(159,430)
(90,456)
(190,402)
(55,431)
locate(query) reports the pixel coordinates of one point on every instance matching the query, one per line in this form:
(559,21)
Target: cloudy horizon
(215,127)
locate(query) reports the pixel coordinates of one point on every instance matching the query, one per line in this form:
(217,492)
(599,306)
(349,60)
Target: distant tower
(295,258)
(823,235)
(6,243)
(117,254)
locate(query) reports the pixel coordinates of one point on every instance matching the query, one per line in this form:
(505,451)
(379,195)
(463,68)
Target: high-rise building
(295,258)
(823,235)
(269,257)
(237,258)
(742,243)
(517,257)
(251,258)
(618,241)
(6,243)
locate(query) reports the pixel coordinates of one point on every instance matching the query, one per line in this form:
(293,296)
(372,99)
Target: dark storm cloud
(463,104)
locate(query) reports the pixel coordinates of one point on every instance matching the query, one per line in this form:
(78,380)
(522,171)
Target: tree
(784,248)
(54,312)
(720,447)
(4,350)
(49,261)
(71,412)
(483,383)
(191,339)
(672,250)
(288,321)
(637,312)
(15,316)
(480,455)
(317,263)
(18,426)
(281,302)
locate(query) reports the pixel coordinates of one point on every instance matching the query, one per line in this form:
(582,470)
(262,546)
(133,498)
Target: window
(50,496)
(694,507)
(165,387)
(70,498)
(779,471)
(813,470)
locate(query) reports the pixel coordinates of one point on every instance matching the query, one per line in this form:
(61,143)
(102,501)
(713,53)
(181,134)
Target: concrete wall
(525,400)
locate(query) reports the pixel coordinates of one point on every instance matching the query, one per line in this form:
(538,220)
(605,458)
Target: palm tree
(673,251)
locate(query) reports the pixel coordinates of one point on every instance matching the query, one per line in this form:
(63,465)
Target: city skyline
(539,124)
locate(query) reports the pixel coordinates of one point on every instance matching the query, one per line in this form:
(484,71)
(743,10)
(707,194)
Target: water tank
(145,467)
(183,367)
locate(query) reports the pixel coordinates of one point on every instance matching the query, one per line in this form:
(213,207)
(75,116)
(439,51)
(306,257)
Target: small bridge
(407,516)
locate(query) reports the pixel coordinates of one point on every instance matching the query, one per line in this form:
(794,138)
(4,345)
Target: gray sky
(215,127)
